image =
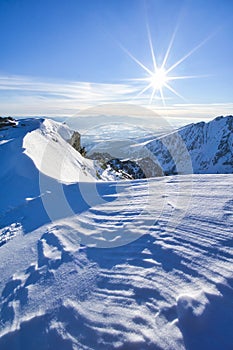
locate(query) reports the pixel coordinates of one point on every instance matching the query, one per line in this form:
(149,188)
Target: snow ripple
(172,288)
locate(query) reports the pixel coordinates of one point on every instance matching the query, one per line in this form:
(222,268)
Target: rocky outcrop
(127,168)
(7,121)
(75,141)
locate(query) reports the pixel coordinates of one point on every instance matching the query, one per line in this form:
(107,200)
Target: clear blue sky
(58,56)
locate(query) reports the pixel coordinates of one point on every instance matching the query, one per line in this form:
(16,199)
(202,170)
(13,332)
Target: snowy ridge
(35,150)
(45,142)
(48,147)
(209,146)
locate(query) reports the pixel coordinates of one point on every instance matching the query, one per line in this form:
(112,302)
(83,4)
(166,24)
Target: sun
(158,79)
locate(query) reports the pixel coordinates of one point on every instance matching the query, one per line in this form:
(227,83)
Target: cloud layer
(24,96)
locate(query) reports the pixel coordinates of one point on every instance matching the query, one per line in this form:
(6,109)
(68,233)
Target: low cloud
(25,96)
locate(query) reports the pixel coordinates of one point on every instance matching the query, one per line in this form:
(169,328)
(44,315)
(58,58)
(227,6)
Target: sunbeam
(159,78)
(151,48)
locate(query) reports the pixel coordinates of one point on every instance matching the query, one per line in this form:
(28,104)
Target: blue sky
(60,57)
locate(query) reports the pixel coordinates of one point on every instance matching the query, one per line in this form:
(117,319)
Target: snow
(51,154)
(202,148)
(143,264)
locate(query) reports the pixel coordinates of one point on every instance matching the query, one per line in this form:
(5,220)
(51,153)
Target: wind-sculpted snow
(171,288)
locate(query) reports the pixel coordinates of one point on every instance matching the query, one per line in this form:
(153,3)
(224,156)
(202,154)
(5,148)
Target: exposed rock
(130,169)
(7,121)
(75,141)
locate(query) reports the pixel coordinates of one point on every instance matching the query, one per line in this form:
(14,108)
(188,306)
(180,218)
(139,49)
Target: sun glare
(158,79)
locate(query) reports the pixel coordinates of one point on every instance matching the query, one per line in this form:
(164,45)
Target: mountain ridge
(209,146)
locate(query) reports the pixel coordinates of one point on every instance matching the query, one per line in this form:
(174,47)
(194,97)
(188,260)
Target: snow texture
(143,264)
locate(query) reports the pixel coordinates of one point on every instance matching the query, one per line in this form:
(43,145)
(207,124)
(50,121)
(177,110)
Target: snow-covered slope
(30,153)
(171,288)
(86,265)
(48,148)
(209,147)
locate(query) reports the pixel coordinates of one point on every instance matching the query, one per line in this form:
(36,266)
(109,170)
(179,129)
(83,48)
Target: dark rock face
(7,121)
(138,169)
(75,141)
(128,168)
